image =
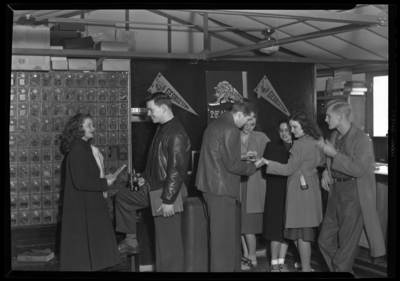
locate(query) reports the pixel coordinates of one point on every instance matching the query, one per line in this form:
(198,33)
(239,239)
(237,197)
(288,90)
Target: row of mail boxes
(69,79)
(58,94)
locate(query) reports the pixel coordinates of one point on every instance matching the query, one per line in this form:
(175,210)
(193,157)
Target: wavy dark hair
(307,124)
(73,131)
(285,121)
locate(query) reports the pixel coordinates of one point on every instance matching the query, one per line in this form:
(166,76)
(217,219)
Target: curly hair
(73,131)
(307,124)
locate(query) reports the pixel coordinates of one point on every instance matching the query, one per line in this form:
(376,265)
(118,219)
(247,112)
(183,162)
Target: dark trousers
(168,236)
(342,227)
(224,218)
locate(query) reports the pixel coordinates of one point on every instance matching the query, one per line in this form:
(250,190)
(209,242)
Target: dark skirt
(305,233)
(274,210)
(251,223)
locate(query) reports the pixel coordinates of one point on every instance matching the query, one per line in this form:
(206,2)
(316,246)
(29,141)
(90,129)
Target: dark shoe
(283,267)
(123,248)
(248,264)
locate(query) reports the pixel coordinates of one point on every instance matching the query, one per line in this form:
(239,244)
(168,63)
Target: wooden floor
(364,266)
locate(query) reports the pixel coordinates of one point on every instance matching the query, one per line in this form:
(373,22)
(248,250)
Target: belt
(343,180)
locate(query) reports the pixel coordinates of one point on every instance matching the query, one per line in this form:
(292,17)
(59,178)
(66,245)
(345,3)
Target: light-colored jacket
(256,185)
(303,207)
(360,164)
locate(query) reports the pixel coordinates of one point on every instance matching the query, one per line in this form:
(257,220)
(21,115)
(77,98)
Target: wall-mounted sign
(265,89)
(160,84)
(223,89)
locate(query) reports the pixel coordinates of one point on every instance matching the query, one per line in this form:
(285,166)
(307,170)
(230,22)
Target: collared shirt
(340,146)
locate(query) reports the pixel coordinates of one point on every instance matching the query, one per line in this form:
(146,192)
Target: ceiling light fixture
(268,38)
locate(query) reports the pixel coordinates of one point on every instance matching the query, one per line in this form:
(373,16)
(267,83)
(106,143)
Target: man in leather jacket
(218,177)
(166,169)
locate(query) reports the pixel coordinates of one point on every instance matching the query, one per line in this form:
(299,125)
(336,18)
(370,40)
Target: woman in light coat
(252,192)
(303,199)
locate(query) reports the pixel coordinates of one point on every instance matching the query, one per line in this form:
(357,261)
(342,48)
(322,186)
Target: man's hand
(328,149)
(325,181)
(250,156)
(168,210)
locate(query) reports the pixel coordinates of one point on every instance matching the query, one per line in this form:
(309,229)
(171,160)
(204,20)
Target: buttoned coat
(360,164)
(88,240)
(303,207)
(256,187)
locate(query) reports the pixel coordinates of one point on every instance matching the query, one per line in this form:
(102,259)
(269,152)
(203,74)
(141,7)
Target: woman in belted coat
(303,203)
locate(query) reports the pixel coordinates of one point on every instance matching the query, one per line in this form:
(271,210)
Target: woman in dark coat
(275,198)
(88,240)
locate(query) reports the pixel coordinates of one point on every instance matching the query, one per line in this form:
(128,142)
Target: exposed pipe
(112,22)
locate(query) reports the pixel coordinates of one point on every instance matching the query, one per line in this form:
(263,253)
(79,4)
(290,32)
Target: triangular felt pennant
(160,84)
(265,89)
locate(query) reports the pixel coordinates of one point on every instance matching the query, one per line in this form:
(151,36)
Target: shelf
(97,54)
(333,97)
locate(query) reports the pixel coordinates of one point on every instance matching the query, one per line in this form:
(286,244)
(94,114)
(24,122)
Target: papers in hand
(119,171)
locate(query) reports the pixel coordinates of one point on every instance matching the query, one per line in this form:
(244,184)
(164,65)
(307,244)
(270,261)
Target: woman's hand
(141,181)
(259,163)
(266,162)
(110,179)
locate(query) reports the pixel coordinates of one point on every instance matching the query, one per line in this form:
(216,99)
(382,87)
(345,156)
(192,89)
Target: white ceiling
(331,39)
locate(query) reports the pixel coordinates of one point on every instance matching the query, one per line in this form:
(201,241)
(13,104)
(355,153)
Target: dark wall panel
(294,84)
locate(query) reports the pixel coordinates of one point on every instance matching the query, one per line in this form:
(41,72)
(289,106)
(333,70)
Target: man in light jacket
(218,177)
(350,180)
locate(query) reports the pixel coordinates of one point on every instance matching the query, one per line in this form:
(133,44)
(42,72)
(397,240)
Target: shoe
(275,268)
(123,248)
(297,265)
(283,268)
(248,264)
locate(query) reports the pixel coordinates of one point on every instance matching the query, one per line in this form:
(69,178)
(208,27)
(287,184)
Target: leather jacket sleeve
(178,150)
(231,155)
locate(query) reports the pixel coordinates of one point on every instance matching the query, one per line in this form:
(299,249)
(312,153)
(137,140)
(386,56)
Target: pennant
(160,84)
(265,89)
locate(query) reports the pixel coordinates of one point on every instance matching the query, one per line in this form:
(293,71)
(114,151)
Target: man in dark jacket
(218,177)
(166,169)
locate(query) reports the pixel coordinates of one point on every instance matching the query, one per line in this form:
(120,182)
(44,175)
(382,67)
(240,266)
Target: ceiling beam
(304,60)
(132,55)
(314,15)
(206,36)
(99,54)
(312,35)
(254,39)
(198,28)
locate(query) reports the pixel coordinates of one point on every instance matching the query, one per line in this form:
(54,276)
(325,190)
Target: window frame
(369,101)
